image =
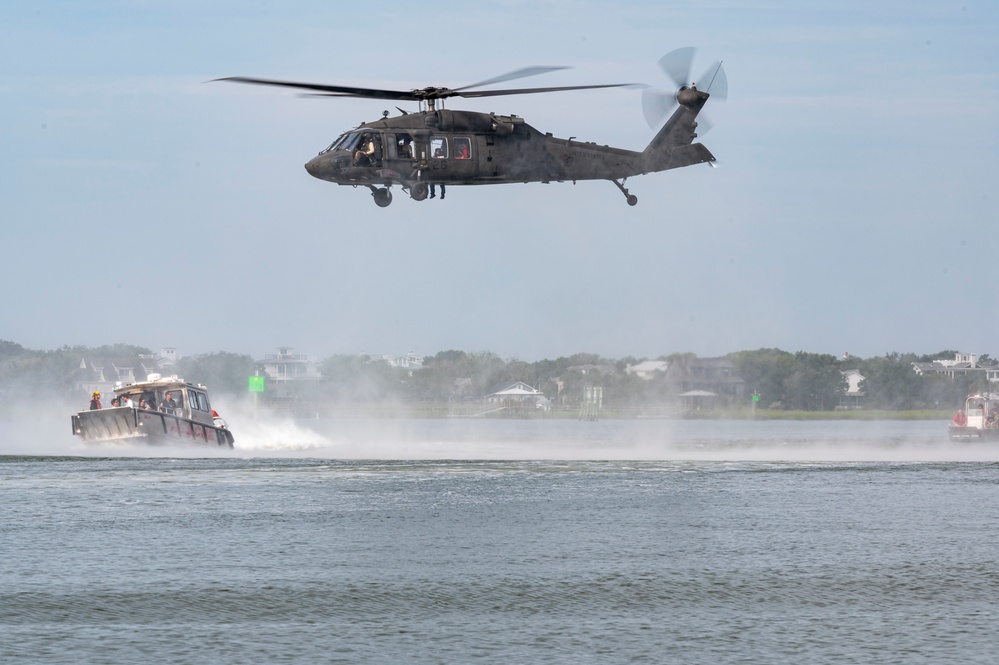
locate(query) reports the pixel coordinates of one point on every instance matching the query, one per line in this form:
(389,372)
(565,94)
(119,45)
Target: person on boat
(960,419)
(95,401)
(217,419)
(168,405)
(115,401)
(125,400)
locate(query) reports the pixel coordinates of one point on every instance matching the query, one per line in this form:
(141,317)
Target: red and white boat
(978,420)
(163,410)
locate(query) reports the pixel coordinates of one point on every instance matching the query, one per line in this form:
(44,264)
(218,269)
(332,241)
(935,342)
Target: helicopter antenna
(714,76)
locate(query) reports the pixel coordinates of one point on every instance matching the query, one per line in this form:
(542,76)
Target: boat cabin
(169,395)
(982,411)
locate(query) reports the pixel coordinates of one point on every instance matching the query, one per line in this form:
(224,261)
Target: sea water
(540,541)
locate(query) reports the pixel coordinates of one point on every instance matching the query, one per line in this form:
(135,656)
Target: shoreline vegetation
(762,384)
(401,412)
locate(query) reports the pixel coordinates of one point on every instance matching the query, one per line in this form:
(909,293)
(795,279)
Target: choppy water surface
(779,544)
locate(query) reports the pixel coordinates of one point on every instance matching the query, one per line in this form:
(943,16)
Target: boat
(157,411)
(978,420)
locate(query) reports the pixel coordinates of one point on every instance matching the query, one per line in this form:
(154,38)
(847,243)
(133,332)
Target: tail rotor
(658,103)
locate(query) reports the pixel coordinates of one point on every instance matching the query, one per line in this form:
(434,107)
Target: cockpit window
(349,141)
(345,142)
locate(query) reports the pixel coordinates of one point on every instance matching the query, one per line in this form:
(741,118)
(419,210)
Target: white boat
(163,410)
(978,420)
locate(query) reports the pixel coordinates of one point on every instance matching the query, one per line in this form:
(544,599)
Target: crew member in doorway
(405,148)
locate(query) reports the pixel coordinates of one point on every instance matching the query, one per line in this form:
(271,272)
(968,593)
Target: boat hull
(973,433)
(127,424)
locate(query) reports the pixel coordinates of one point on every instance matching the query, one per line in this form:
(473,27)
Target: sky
(852,210)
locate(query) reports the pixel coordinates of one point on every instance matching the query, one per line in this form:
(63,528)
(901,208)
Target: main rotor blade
(337,90)
(677,64)
(528,91)
(323,90)
(509,76)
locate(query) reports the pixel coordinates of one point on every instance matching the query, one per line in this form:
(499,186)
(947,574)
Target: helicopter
(438,146)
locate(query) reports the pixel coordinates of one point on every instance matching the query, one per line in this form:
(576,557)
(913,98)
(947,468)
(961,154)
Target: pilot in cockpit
(365,153)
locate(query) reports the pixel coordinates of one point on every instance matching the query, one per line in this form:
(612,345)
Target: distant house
(709,375)
(410,361)
(648,369)
(853,396)
(963,364)
(594,370)
(103,374)
(285,367)
(167,358)
(695,400)
(516,392)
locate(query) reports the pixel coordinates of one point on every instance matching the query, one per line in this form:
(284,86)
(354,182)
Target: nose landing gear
(381,195)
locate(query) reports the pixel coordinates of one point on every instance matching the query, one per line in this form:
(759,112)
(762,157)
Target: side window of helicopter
(403,145)
(462,147)
(438,148)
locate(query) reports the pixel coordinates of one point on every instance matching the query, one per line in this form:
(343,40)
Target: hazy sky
(853,210)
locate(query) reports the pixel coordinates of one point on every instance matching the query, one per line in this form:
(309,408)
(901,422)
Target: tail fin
(673,146)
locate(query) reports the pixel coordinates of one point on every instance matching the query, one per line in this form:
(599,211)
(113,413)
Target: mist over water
(521,541)
(259,433)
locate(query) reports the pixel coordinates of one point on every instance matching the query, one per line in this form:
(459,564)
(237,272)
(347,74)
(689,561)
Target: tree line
(782,379)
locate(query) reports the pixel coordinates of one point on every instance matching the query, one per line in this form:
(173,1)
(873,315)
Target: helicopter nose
(313,167)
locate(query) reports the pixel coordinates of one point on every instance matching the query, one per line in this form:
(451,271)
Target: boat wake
(275,435)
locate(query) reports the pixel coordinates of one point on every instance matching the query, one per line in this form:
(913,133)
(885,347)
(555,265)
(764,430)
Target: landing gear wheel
(629,197)
(419,191)
(383,197)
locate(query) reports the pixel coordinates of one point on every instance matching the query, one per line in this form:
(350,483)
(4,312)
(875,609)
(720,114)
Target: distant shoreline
(441,412)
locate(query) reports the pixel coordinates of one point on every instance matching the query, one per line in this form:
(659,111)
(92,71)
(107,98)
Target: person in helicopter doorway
(405,148)
(364,155)
(95,401)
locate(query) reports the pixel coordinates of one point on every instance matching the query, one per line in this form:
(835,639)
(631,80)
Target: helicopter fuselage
(455,147)
(439,146)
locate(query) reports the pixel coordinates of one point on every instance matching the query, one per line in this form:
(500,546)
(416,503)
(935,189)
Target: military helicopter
(437,146)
